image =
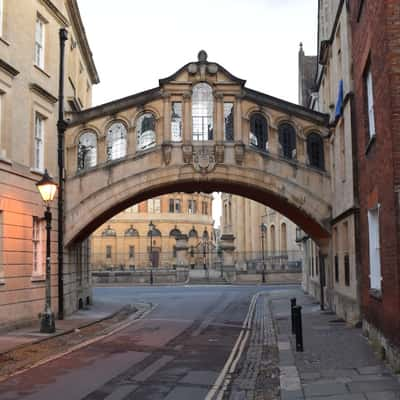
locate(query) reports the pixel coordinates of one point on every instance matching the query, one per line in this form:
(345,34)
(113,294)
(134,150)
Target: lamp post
(47,189)
(263,231)
(205,240)
(151,227)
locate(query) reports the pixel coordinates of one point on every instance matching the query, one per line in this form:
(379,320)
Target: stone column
(219,120)
(273,140)
(182,256)
(167,118)
(132,140)
(187,118)
(238,134)
(101,150)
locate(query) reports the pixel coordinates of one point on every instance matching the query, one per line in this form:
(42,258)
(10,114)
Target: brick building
(376,68)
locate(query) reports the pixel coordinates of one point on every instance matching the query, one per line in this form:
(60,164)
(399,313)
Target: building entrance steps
(337,362)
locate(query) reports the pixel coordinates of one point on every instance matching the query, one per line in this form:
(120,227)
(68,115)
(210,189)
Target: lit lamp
(47,189)
(263,232)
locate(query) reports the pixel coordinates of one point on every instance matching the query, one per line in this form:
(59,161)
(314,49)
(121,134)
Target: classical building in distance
(244,219)
(127,242)
(29,76)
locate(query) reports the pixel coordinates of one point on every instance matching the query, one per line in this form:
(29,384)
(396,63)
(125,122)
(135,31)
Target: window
(131,232)
(116,141)
(370,102)
(131,251)
(193,233)
(109,232)
(315,149)
(38,245)
(259,132)
(39,143)
(192,206)
(228,121)
(108,251)
(39,42)
(336,268)
(87,150)
(176,122)
(346,270)
(287,140)
(204,208)
(273,239)
(146,131)
(175,206)
(202,112)
(154,232)
(283,238)
(346,258)
(374,249)
(154,206)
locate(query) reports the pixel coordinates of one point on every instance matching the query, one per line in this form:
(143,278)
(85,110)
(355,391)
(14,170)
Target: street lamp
(151,227)
(263,232)
(205,242)
(47,189)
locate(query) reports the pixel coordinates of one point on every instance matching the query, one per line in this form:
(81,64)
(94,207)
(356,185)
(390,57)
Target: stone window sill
(37,171)
(2,40)
(42,70)
(2,282)
(5,160)
(376,294)
(38,278)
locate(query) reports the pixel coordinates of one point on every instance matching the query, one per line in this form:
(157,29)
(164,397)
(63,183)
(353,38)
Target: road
(176,352)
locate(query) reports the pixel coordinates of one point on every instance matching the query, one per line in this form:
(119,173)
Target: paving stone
(325,389)
(199,377)
(353,396)
(312,376)
(383,396)
(374,369)
(291,395)
(382,385)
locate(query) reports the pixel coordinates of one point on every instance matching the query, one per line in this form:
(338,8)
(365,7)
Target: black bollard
(292,305)
(298,328)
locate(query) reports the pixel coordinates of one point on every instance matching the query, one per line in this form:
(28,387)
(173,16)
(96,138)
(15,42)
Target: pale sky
(135,43)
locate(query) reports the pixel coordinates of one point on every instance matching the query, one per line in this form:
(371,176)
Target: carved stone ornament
(167,152)
(239,152)
(204,160)
(187,151)
(219,153)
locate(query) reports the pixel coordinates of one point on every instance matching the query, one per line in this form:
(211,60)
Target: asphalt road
(175,353)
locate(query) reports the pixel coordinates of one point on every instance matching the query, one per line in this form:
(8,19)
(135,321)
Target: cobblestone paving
(257,374)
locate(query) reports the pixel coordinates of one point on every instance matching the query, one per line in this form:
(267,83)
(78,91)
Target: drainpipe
(61,128)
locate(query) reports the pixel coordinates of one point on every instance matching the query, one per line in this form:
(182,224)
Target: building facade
(29,76)
(244,217)
(126,241)
(375,40)
(331,92)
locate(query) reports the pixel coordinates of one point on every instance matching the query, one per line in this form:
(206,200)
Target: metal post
(61,128)
(292,305)
(151,253)
(262,247)
(298,328)
(47,324)
(322,279)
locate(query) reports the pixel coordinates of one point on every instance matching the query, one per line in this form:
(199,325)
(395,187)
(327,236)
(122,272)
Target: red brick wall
(376,39)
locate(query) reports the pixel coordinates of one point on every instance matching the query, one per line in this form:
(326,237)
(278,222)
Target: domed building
(128,241)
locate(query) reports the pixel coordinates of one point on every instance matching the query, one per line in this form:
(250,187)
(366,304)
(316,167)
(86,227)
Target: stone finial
(202,56)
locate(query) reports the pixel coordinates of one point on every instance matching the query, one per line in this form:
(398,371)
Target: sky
(136,43)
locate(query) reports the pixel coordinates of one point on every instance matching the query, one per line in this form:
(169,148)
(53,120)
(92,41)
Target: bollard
(292,305)
(298,328)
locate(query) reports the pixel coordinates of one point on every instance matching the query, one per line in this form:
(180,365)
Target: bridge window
(87,150)
(287,140)
(116,141)
(228,121)
(176,122)
(146,131)
(202,112)
(259,132)
(315,149)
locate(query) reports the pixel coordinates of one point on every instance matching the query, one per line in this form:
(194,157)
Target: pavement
(12,339)
(338,363)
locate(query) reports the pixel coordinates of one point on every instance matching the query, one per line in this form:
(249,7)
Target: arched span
(300,193)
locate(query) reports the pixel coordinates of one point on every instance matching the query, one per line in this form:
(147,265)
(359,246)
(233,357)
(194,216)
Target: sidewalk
(100,310)
(338,363)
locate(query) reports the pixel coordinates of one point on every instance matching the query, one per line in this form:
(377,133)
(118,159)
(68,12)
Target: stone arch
(79,131)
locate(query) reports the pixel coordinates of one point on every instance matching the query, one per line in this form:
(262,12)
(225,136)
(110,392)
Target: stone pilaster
(219,120)
(187,118)
(167,117)
(238,119)
(182,255)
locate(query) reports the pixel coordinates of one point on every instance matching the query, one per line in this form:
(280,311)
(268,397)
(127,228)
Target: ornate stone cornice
(35,88)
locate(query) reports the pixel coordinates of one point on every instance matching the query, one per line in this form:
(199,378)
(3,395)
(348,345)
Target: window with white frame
(154,206)
(39,142)
(37,246)
(370,102)
(374,249)
(39,42)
